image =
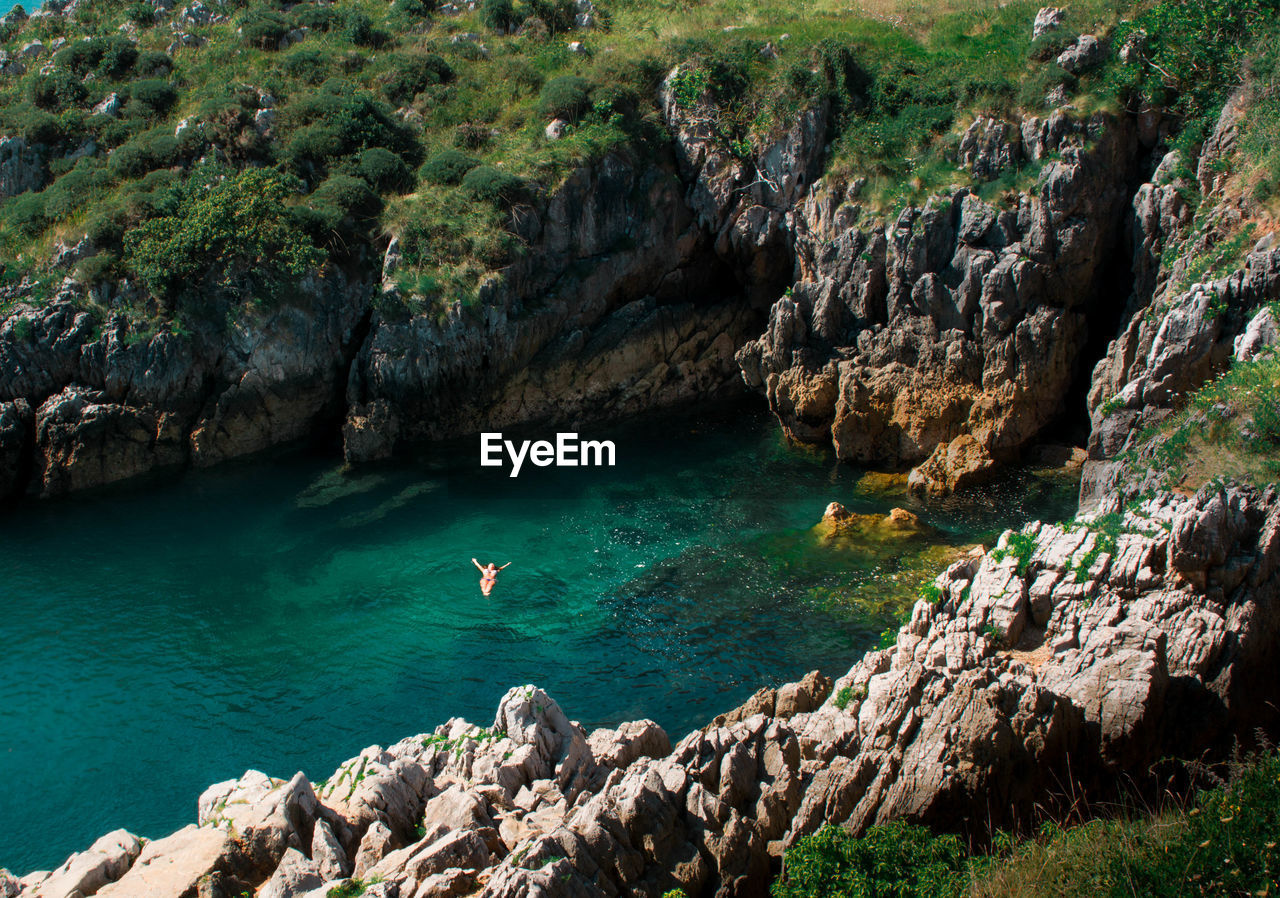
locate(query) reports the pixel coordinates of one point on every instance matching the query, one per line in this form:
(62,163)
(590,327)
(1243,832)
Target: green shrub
(358,28)
(384,171)
(613,100)
(144,153)
(153,64)
(499,15)
(471,136)
(339,212)
(314,17)
(1191,55)
(493,185)
(102,266)
(1019,545)
(306,64)
(35,125)
(226,229)
(411,75)
(1228,846)
(67,194)
(343,122)
(566,97)
(893,859)
(25,214)
(58,90)
(351,196)
(559,15)
(110,57)
(106,226)
(151,96)
(415,9)
(263,28)
(447,167)
(141,13)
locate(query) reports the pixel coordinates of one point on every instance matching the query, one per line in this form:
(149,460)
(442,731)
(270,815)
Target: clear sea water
(283,614)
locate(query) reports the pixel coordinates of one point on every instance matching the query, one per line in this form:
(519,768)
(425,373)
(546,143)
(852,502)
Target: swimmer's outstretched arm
(505,566)
(477,564)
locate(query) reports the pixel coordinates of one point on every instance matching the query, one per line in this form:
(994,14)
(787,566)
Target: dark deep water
(282,614)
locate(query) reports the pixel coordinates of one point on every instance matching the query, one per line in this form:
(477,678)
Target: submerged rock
(838,522)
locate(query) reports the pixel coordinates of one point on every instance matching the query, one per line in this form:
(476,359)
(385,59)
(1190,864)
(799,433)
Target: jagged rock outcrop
(84,402)
(21,167)
(631,297)
(1177,332)
(1075,653)
(86,873)
(961,319)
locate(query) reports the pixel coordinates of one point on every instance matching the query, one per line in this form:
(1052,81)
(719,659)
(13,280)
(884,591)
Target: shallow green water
(282,615)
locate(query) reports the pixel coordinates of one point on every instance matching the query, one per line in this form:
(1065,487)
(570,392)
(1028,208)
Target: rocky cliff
(634,293)
(949,337)
(1067,656)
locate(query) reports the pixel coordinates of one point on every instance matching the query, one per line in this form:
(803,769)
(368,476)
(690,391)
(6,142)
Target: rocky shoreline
(1067,657)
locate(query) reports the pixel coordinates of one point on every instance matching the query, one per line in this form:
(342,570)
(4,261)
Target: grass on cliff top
(401,119)
(1223,843)
(1229,429)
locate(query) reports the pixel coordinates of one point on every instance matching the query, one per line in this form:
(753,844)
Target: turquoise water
(282,615)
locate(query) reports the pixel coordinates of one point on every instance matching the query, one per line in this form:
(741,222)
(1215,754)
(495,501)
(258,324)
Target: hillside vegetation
(1222,843)
(238,145)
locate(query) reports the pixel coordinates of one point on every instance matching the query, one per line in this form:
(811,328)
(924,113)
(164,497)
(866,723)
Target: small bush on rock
(893,859)
(447,167)
(566,97)
(494,185)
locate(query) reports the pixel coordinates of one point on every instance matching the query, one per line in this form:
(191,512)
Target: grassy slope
(1223,842)
(905,77)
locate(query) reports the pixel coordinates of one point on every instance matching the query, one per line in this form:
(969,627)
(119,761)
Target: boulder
(86,873)
(620,748)
(110,106)
(328,854)
(295,876)
(953,466)
(1085,54)
(376,844)
(456,808)
(1262,333)
(173,867)
(1047,19)
(528,716)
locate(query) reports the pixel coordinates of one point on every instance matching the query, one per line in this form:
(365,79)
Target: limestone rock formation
(642,326)
(21,167)
(1177,333)
(958,319)
(86,873)
(109,405)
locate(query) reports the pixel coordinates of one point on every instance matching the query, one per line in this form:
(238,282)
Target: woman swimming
(489,574)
